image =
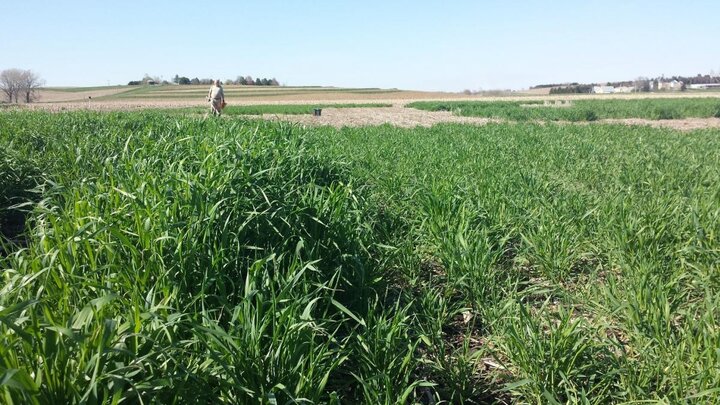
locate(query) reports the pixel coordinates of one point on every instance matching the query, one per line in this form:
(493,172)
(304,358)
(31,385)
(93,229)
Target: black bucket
(317,112)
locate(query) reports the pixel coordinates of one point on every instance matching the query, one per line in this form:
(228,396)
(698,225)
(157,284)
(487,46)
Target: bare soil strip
(396,115)
(58,96)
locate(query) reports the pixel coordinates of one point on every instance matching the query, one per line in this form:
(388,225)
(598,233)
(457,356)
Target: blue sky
(426,45)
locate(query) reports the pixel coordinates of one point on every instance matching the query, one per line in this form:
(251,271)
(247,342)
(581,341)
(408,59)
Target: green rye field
(157,258)
(581,110)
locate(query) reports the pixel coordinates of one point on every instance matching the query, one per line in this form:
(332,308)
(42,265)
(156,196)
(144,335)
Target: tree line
(572,89)
(183,80)
(699,79)
(241,80)
(20,85)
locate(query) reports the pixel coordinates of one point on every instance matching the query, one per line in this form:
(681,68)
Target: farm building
(705,86)
(672,86)
(624,89)
(603,89)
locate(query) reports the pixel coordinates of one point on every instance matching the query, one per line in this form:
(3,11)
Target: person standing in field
(216,97)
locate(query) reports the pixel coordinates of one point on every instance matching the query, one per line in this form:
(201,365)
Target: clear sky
(426,45)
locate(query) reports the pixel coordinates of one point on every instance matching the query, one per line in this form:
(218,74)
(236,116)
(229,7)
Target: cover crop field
(149,257)
(581,110)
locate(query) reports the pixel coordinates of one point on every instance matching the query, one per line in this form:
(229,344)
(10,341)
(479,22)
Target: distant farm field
(581,110)
(234,93)
(294,94)
(356,106)
(169,257)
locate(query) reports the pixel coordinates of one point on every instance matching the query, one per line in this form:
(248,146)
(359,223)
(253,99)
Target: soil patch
(685,124)
(396,115)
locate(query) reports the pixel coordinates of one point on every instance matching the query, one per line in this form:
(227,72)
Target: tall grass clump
(17,183)
(184,261)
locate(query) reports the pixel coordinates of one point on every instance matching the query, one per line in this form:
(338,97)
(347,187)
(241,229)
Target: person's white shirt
(216,93)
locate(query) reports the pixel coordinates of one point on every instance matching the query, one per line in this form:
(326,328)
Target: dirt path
(396,115)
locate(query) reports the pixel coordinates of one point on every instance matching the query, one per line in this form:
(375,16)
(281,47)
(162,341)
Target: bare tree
(16,83)
(29,85)
(642,84)
(10,83)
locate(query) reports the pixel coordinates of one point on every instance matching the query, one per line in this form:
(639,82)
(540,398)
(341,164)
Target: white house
(673,85)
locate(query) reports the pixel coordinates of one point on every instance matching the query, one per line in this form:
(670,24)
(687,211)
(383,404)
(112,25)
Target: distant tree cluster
(20,85)
(545,86)
(699,79)
(572,89)
(621,84)
(147,79)
(248,81)
(183,80)
(240,80)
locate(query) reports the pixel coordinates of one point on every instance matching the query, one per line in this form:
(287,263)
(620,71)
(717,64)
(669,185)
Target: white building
(624,89)
(672,86)
(705,86)
(603,89)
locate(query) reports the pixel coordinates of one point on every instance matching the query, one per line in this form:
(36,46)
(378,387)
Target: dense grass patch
(580,110)
(17,181)
(182,260)
(583,259)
